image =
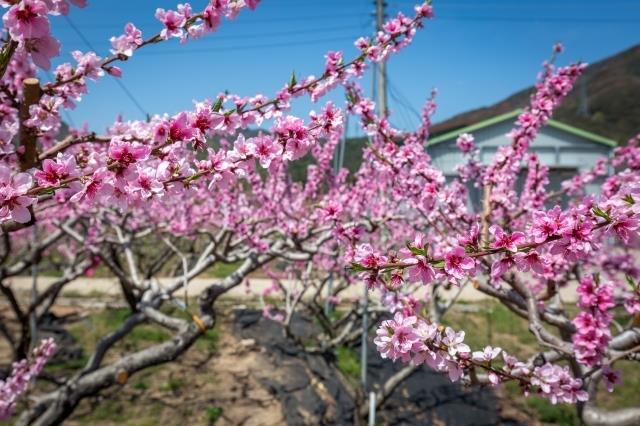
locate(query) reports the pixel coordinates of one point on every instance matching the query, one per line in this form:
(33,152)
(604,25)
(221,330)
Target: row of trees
(90,200)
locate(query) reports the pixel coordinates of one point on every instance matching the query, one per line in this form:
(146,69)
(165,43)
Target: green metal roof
(513,114)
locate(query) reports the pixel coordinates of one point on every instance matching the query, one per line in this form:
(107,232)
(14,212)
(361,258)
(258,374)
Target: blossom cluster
(413,339)
(471,169)
(22,372)
(14,201)
(554,85)
(514,241)
(592,334)
(397,301)
(137,161)
(27,24)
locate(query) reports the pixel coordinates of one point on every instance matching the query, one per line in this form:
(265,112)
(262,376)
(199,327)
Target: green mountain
(605,101)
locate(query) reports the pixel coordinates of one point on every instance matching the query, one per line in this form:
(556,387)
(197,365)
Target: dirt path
(247,373)
(109,286)
(221,385)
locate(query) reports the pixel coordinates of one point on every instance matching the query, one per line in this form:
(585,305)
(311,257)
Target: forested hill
(608,103)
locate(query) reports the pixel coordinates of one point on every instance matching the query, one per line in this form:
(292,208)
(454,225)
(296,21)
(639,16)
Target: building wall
(554,147)
(566,152)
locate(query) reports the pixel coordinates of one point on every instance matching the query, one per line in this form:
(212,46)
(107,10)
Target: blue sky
(475,52)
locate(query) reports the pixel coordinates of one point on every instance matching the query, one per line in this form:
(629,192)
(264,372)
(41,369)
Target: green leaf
(349,97)
(358,267)
(417,251)
(599,212)
(47,190)
(191,178)
(216,107)
(631,281)
(629,199)
(438,264)
(292,80)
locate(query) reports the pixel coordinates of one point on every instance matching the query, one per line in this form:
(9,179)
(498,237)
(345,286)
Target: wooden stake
(27,152)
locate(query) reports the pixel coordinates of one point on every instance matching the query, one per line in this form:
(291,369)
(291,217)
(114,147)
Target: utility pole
(381,67)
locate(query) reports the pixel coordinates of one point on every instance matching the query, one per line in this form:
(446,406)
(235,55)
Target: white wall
(553,146)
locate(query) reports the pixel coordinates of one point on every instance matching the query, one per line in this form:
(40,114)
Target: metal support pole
(365,329)
(327,302)
(343,142)
(33,321)
(372,409)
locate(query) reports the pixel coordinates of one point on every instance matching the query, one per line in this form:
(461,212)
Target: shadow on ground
(310,392)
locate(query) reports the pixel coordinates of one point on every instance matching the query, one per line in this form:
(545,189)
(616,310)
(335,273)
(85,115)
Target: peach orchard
(396,226)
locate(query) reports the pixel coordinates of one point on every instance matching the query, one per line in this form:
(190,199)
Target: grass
(88,331)
(348,362)
(172,385)
(135,403)
(141,385)
(72,364)
(111,411)
(143,380)
(222,270)
(209,341)
(624,392)
(335,314)
(212,414)
(105,410)
(493,324)
(559,414)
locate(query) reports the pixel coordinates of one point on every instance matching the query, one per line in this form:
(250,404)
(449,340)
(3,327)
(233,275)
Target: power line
(65,111)
(126,91)
(276,34)
(523,7)
(445,17)
(279,33)
(579,4)
(245,47)
(251,21)
(403,100)
(406,119)
(540,19)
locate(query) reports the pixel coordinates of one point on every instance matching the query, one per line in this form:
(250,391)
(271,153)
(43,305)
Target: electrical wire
(404,102)
(186,51)
(122,86)
(204,41)
(533,19)
(401,110)
(251,21)
(65,111)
